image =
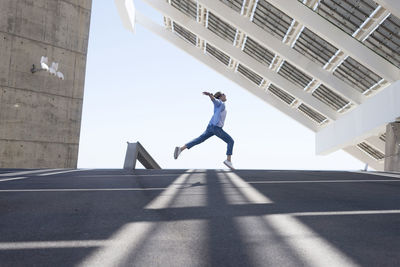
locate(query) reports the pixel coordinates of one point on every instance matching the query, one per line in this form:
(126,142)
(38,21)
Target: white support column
(338,38)
(368,119)
(222,69)
(238,55)
(392,5)
(275,45)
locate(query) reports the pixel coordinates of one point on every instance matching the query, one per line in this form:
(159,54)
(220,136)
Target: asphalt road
(198,218)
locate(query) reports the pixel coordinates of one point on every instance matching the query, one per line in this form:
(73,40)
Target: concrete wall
(40,115)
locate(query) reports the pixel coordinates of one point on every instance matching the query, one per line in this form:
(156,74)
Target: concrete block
(30,19)
(70,28)
(27,115)
(72,157)
(40,115)
(61,23)
(79,76)
(8,9)
(37,154)
(86,4)
(26,52)
(5,56)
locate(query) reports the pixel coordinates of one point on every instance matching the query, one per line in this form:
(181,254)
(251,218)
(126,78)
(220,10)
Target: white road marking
(54,244)
(126,175)
(320,181)
(353,212)
(60,172)
(27,172)
(11,179)
(80,189)
(381,174)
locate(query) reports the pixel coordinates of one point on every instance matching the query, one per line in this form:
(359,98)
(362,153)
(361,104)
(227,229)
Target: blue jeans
(210,131)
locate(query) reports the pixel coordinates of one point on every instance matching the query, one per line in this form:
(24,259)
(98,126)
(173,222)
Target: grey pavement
(198,218)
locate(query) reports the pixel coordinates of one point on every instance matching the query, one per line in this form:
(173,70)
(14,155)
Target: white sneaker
(177,152)
(229,164)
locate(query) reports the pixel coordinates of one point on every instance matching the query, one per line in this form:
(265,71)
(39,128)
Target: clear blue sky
(141,88)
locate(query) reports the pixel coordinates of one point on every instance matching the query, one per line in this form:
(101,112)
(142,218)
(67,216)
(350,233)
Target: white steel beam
(237,54)
(126,11)
(275,45)
(222,69)
(337,37)
(392,5)
(368,119)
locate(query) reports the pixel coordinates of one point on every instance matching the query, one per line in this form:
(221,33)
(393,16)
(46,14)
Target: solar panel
(185,34)
(221,28)
(312,114)
(271,19)
(314,47)
(187,7)
(372,152)
(358,76)
(219,55)
(330,98)
(348,15)
(234,4)
(282,95)
(294,75)
(258,52)
(251,75)
(385,40)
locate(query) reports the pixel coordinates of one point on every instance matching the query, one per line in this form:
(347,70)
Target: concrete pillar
(40,115)
(392,147)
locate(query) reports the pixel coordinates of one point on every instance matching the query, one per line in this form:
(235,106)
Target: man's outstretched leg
(207,134)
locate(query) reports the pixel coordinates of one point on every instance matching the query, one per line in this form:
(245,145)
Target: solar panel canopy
(315,60)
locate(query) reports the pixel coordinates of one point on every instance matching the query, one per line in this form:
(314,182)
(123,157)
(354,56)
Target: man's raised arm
(210,95)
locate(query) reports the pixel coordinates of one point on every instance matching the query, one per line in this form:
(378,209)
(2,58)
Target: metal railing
(134,152)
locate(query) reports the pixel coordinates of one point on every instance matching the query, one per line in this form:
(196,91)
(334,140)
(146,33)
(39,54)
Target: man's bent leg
(226,138)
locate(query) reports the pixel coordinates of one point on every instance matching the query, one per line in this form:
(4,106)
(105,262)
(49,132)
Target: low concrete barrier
(135,151)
